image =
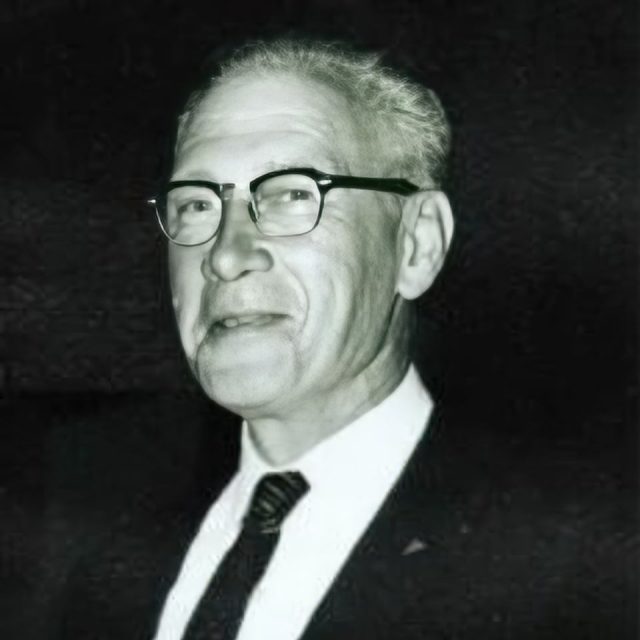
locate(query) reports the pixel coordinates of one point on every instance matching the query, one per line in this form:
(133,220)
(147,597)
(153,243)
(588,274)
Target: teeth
(232,323)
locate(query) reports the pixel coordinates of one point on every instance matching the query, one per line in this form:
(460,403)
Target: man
(298,320)
(292,280)
(304,215)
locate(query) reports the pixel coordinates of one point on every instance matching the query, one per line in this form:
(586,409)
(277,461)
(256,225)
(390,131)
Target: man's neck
(283,440)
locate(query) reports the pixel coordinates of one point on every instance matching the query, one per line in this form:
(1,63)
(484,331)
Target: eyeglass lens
(283,205)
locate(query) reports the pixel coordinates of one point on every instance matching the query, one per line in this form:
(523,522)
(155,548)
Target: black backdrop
(531,330)
(536,310)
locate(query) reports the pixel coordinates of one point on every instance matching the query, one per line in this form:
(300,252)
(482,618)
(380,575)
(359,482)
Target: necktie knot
(273,498)
(220,612)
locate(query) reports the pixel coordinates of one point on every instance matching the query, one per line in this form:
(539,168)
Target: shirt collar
(377,444)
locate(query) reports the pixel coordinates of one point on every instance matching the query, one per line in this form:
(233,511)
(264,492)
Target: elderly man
(304,215)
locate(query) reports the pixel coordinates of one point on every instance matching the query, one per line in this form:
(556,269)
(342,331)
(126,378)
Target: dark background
(531,330)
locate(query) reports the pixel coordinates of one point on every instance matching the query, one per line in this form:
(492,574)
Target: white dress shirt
(350,474)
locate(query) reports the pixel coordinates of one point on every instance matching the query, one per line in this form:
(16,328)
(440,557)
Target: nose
(238,248)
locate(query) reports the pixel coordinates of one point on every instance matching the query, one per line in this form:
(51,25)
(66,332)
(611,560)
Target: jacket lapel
(380,582)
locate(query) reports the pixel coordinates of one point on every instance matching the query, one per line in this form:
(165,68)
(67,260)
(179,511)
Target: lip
(247,320)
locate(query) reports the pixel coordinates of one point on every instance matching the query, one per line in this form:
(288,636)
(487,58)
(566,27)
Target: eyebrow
(302,164)
(276,166)
(196,175)
(273,165)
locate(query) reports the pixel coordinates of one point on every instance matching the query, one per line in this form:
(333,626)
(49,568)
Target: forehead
(270,121)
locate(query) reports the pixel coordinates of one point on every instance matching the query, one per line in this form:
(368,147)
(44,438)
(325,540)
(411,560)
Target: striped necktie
(221,608)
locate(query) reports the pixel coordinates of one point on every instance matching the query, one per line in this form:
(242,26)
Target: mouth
(246,321)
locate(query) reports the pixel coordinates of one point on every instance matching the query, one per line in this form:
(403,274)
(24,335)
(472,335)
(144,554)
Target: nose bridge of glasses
(226,190)
(230,191)
(234,198)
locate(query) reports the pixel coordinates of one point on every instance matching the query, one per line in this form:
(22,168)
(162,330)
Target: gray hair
(405,118)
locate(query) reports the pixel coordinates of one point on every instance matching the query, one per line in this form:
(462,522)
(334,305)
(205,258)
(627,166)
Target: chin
(245,388)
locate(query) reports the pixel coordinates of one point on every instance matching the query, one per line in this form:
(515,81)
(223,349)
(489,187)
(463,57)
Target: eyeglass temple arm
(392,185)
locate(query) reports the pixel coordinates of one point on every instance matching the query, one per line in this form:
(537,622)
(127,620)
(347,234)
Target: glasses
(282,203)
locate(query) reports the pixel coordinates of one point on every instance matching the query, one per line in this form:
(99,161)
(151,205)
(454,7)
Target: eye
(297,194)
(193,206)
(287,193)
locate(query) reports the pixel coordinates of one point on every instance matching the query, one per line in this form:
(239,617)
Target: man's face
(273,325)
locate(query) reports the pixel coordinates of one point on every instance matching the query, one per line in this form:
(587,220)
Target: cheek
(187,284)
(351,280)
(369,254)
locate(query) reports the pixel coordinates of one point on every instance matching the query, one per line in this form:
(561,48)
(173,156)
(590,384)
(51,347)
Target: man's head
(312,324)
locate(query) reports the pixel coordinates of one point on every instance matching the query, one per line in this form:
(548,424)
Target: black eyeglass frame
(324,182)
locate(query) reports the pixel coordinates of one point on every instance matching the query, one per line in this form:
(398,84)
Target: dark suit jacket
(484,536)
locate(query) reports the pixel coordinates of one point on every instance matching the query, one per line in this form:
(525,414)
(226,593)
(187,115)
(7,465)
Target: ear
(425,236)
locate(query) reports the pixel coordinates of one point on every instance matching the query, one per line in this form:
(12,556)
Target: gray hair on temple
(405,119)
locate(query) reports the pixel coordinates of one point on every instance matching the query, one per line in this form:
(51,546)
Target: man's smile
(246,320)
